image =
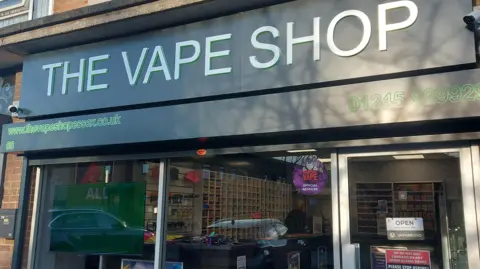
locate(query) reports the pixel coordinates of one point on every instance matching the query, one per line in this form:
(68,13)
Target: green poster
(105,218)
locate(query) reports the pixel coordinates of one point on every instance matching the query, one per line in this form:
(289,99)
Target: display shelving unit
(368,211)
(418,201)
(377,201)
(239,197)
(180,204)
(151,201)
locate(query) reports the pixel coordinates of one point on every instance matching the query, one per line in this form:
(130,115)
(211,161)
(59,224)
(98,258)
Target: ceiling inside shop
(430,156)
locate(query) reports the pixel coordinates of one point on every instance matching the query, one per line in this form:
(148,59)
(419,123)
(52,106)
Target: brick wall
(10,201)
(13,176)
(66,5)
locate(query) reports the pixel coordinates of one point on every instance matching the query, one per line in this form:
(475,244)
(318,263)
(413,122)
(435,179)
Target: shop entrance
(408,210)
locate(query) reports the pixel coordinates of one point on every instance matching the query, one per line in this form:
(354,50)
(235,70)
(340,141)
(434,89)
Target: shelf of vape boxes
(242,197)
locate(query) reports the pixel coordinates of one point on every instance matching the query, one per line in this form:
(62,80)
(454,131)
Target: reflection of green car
(93,232)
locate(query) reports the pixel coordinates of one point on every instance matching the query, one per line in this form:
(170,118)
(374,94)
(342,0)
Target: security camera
(472,17)
(14,109)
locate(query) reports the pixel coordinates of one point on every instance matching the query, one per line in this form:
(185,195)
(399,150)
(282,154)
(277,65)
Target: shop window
(240,211)
(410,203)
(250,211)
(93,210)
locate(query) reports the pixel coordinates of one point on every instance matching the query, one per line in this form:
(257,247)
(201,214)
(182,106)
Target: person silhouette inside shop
(296,220)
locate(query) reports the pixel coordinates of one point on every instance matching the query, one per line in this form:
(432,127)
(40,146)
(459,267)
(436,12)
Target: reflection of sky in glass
(9,3)
(134,264)
(173,265)
(290,159)
(298,159)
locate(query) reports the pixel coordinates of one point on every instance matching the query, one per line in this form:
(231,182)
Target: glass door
(408,209)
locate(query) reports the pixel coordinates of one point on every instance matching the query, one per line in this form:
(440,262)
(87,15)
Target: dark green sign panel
(439,96)
(98,218)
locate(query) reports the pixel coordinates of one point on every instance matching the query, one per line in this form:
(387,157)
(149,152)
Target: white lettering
(157,53)
(178,55)
(367,33)
(97,194)
(264,46)
(132,79)
(209,55)
(383,27)
(189,51)
(90,195)
(67,76)
(92,72)
(315,38)
(51,76)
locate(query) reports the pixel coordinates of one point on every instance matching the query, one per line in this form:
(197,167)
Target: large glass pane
(250,211)
(94,210)
(407,210)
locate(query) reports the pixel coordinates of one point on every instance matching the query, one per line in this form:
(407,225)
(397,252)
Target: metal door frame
(348,254)
(161,232)
(475,152)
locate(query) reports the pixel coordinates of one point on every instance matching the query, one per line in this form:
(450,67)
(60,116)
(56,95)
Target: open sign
(405,228)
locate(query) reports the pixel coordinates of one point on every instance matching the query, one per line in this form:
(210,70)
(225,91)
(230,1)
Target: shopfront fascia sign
(430,97)
(13,8)
(297,43)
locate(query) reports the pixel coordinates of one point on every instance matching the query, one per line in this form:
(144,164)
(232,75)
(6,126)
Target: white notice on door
(405,229)
(241,262)
(405,224)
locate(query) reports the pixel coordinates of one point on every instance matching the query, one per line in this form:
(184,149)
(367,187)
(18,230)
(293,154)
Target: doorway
(408,209)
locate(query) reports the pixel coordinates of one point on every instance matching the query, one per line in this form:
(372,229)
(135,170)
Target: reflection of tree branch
(305,111)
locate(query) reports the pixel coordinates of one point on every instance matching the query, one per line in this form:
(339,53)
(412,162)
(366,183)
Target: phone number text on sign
(434,96)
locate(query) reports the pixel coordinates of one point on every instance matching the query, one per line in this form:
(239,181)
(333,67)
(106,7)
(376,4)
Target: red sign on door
(407,259)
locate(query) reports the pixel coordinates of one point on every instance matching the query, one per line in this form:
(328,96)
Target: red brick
(12,182)
(66,5)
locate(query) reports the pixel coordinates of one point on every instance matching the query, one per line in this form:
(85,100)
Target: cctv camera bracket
(17,104)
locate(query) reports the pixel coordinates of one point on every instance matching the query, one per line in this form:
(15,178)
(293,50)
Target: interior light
(201,152)
(325,160)
(453,154)
(239,163)
(301,150)
(408,157)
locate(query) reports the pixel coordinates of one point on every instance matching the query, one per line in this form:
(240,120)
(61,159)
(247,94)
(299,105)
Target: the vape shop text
(141,64)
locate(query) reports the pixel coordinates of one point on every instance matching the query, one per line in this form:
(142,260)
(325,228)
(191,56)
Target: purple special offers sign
(310,175)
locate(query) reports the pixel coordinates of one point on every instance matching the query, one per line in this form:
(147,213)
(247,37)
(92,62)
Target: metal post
(22,213)
(101,263)
(337,258)
(161,230)
(36,214)
(3,164)
(357,256)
